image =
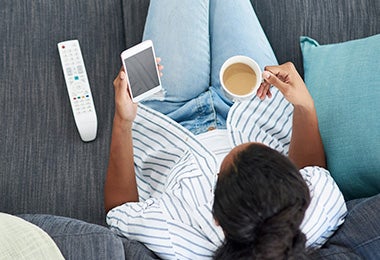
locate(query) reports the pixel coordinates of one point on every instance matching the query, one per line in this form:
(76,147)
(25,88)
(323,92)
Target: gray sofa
(47,174)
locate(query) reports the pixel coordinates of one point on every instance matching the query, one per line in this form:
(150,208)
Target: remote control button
(69,72)
(80,69)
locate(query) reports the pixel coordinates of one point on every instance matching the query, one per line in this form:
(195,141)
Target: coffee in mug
(240,77)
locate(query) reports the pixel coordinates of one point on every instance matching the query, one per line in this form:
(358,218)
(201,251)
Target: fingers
(282,70)
(279,76)
(264,91)
(286,78)
(278,80)
(159,66)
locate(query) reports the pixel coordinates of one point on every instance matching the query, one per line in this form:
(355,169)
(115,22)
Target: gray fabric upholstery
(44,165)
(78,239)
(135,250)
(134,20)
(349,242)
(45,168)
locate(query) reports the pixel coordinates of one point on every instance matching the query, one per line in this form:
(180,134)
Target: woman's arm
(120,186)
(306,148)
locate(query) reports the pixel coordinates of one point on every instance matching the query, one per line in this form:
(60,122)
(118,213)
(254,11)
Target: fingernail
(266,74)
(122,75)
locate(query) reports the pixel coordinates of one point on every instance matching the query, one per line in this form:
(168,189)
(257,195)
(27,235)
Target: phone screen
(142,72)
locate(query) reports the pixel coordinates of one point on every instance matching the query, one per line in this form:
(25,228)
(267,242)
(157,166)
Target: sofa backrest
(327,21)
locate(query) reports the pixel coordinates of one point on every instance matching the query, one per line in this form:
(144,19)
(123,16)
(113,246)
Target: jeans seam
(213,109)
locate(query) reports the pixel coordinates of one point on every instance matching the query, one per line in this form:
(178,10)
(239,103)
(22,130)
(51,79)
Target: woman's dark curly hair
(260,202)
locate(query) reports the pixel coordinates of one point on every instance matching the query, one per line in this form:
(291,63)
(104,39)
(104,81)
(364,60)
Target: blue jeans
(194,38)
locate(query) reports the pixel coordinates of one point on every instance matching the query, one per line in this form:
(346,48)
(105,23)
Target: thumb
(123,84)
(274,80)
(122,75)
(118,82)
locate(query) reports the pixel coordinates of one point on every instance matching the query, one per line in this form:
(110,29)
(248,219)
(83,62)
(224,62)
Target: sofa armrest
(78,239)
(136,250)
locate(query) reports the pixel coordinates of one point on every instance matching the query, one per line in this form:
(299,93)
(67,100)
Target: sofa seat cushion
(344,81)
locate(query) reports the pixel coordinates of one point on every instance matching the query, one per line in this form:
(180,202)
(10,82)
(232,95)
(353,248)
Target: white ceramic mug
(240,77)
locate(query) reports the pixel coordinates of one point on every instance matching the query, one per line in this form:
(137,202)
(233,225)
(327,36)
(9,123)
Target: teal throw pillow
(344,81)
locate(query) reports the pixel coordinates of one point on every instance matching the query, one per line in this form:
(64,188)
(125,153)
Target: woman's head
(260,201)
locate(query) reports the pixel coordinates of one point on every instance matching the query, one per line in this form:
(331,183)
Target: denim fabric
(359,236)
(194,38)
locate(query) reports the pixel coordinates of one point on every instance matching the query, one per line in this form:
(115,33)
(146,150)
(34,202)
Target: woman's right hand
(306,147)
(286,78)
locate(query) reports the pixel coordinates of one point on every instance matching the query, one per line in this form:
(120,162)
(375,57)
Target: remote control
(78,88)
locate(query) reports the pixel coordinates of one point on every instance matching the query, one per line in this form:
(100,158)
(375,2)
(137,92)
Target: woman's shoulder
(327,209)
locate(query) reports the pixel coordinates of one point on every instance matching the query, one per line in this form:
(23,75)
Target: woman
(164,159)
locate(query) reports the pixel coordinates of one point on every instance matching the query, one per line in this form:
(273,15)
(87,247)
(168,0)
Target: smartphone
(141,68)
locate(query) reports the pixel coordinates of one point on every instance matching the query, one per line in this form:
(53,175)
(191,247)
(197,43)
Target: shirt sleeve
(177,224)
(145,222)
(327,209)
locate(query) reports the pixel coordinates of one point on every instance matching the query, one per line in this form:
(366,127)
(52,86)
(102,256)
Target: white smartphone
(141,68)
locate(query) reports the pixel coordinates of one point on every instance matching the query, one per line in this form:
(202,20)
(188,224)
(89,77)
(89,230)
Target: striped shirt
(176,173)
